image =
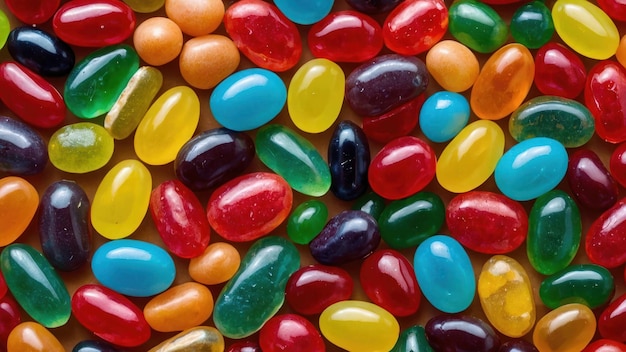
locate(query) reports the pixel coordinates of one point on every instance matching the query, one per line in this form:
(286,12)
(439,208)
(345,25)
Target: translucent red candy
(398,122)
(9,317)
(559,71)
(605,345)
(590,182)
(415,26)
(617,164)
(33,11)
(616,9)
(605,244)
(613,319)
(290,332)
(605,97)
(313,288)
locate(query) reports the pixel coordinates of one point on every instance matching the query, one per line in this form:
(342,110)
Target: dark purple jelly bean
(373,6)
(461,333)
(22,150)
(518,345)
(349,159)
(591,183)
(40,51)
(213,157)
(348,236)
(94,346)
(64,225)
(385,82)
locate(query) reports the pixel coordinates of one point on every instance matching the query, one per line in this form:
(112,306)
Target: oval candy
(559,71)
(40,51)
(25,151)
(313,288)
(15,219)
(80,147)
(603,244)
(414,26)
(448,332)
(348,159)
(590,182)
(200,338)
(611,320)
(34,337)
(33,11)
(443,115)
(477,25)
(179,308)
(588,284)
(566,328)
(605,96)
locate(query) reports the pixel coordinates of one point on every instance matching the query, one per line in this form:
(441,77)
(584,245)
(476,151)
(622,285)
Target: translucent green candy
(412,339)
(531,25)
(370,203)
(81,147)
(306,221)
(588,284)
(477,25)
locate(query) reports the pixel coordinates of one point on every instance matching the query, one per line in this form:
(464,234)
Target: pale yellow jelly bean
(568,328)
(121,199)
(506,296)
(179,308)
(475,150)
(195,17)
(205,61)
(18,204)
(216,265)
(32,337)
(201,338)
(453,65)
(169,123)
(503,82)
(621,51)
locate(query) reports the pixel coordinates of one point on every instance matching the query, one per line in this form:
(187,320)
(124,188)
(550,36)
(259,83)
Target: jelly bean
(133,102)
(217,264)
(531,168)
(370,203)
(25,151)
(201,338)
(605,345)
(603,244)
(346,36)
(554,232)
(443,116)
(388,280)
(385,82)
(409,159)
(348,159)
(234,210)
(30,96)
(559,71)
(615,9)
(477,148)
(617,164)
(313,288)
(9,317)
(585,28)
(94,346)
(305,12)
(453,65)
(80,147)
(158,40)
(38,289)
(257,291)
(412,339)
(590,182)
(180,219)
(110,315)
(359,326)
(620,55)
(195,18)
(121,199)
(290,332)
(444,273)
(477,25)
(306,221)
(15,190)
(506,296)
(92,23)
(293,157)
(605,90)
(611,320)
(372,7)
(33,11)
(64,229)
(409,221)
(503,82)
(196,161)
(244,346)
(96,82)
(167,125)
(415,26)
(235,101)
(5,27)
(263,34)
(205,61)
(148,269)
(399,122)
(531,25)
(567,328)
(145,6)
(40,51)
(461,333)
(3,286)
(517,345)
(179,308)
(33,337)
(348,236)
(588,284)
(565,120)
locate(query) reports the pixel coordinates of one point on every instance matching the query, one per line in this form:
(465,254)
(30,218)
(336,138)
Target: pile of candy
(417,223)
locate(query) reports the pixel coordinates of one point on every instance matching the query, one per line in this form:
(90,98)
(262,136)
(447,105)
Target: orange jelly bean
(217,264)
(18,204)
(568,328)
(453,65)
(195,17)
(621,51)
(33,337)
(179,308)
(158,40)
(207,60)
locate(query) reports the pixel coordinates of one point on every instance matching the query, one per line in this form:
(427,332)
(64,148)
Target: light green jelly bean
(80,147)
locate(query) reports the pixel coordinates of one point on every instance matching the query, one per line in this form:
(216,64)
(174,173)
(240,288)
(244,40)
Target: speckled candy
(197,17)
(605,92)
(603,243)
(158,40)
(206,60)
(80,147)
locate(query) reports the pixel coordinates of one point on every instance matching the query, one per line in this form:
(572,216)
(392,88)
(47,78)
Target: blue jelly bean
(305,12)
(348,159)
(531,168)
(40,51)
(443,116)
(444,273)
(248,99)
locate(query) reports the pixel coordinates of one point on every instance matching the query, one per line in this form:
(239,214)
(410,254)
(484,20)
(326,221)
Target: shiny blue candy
(305,12)
(348,159)
(40,51)
(443,116)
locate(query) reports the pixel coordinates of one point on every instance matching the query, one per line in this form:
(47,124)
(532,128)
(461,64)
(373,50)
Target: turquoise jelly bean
(305,12)
(444,273)
(248,99)
(443,116)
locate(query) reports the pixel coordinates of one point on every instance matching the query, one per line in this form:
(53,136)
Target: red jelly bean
(415,26)
(94,23)
(290,332)
(3,286)
(605,345)
(313,288)
(559,71)
(605,97)
(398,122)
(402,167)
(388,279)
(616,9)
(180,219)
(263,34)
(605,243)
(346,36)
(31,97)
(617,164)
(612,321)
(590,182)
(9,317)
(244,346)
(487,222)
(33,11)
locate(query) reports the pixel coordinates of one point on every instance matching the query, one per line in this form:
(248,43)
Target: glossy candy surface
(94,346)
(453,65)
(461,333)
(477,25)
(590,182)
(305,12)
(398,122)
(200,338)
(348,160)
(10,316)
(217,264)
(15,219)
(370,203)
(40,51)
(145,6)
(206,60)
(306,221)
(5,27)
(603,245)
(531,25)
(617,164)
(567,328)
(443,115)
(33,11)
(25,151)
(588,284)
(605,345)
(605,92)
(559,71)
(179,308)
(313,288)
(290,332)
(412,339)
(517,345)
(373,7)
(80,147)
(611,320)
(33,337)
(158,40)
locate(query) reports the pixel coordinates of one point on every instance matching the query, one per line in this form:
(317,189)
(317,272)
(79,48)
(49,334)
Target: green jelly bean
(413,339)
(565,120)
(588,284)
(408,222)
(306,221)
(257,290)
(294,158)
(200,338)
(95,83)
(5,28)
(477,25)
(38,289)
(370,203)
(80,147)
(554,232)
(532,25)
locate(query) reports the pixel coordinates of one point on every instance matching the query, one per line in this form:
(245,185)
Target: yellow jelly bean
(315,95)
(568,328)
(169,123)
(453,65)
(32,337)
(476,150)
(506,296)
(121,200)
(179,308)
(18,204)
